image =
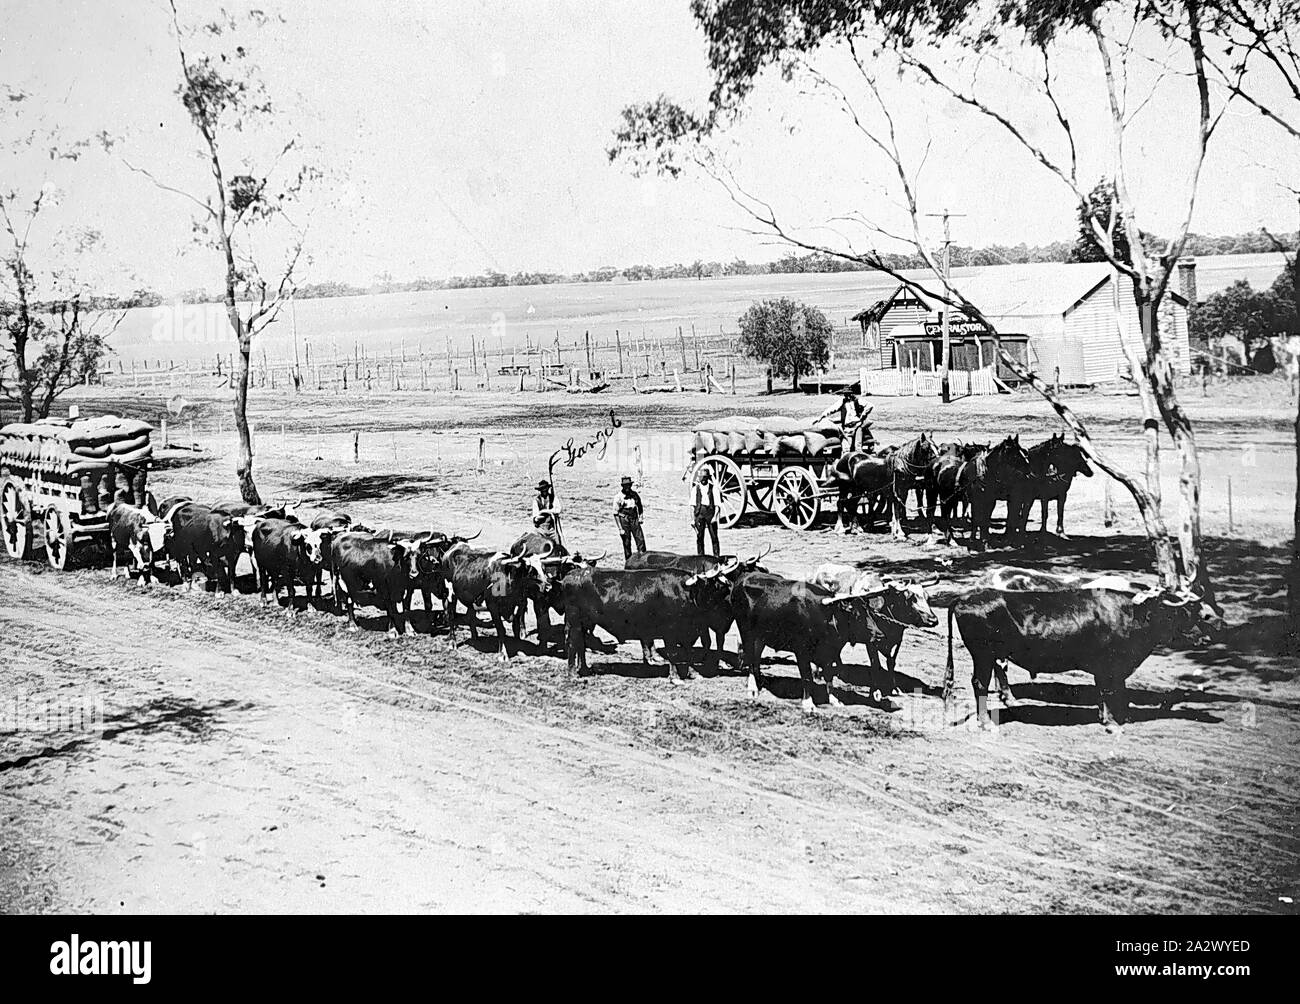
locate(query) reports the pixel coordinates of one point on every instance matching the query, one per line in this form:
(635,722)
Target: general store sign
(958,326)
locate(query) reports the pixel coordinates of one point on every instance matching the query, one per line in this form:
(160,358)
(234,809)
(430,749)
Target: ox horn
(929,582)
(600,557)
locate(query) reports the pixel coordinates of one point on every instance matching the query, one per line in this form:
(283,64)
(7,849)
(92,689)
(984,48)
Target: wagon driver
(545,510)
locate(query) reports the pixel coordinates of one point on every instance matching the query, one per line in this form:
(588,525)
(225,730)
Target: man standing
(706,502)
(627,514)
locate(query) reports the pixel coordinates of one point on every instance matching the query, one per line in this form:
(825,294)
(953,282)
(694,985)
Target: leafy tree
(1241,312)
(792,337)
(54,329)
(1100,206)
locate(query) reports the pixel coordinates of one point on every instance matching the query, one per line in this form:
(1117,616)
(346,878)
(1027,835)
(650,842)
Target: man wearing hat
(706,503)
(627,514)
(545,509)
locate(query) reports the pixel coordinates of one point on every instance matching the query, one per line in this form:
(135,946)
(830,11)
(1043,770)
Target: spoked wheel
(796,499)
(15,522)
(731,487)
(58,538)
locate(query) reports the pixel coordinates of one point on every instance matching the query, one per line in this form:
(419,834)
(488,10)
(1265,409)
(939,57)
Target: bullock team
(1043,623)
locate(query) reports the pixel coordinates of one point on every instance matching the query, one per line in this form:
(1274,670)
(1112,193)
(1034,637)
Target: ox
(427,575)
(137,536)
(500,582)
(893,605)
(645,604)
(790,615)
(286,552)
(558,562)
(1103,632)
(363,565)
(201,537)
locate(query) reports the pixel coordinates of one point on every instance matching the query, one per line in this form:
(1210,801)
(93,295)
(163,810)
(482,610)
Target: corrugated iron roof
(1046,289)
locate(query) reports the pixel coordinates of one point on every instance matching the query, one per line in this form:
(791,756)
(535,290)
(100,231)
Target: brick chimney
(1187,282)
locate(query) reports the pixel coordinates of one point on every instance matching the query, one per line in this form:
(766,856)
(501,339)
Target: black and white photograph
(650,457)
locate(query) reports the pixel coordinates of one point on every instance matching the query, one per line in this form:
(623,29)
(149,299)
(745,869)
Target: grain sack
(769,442)
(817,443)
(753,441)
(703,443)
(735,442)
(792,444)
(143,453)
(122,447)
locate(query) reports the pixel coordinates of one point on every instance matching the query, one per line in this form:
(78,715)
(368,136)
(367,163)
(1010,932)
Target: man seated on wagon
(545,510)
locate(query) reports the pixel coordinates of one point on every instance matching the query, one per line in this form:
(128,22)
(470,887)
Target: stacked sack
(86,450)
(770,436)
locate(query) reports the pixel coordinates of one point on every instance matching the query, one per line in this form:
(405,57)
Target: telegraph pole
(947,286)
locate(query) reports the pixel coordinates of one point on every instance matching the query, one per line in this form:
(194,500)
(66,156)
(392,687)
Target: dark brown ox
(1102,632)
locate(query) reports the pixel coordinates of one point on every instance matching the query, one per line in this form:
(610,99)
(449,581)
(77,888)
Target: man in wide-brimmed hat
(544,508)
(627,514)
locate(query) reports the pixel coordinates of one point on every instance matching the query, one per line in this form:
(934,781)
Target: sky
(455,138)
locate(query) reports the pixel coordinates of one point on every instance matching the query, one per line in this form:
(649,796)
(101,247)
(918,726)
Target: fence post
(1108,507)
(356,447)
(1231,527)
(769,379)
(164,433)
(618,344)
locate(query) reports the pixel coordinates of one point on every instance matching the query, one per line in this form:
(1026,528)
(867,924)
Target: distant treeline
(1257,242)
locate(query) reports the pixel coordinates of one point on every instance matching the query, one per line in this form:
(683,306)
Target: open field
(509,317)
(249,761)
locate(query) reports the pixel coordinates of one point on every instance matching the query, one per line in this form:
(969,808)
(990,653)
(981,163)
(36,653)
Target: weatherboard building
(1050,316)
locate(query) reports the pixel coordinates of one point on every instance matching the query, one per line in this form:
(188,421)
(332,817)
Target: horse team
(946,476)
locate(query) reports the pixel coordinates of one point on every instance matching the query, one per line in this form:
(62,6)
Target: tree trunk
(1293,580)
(1148,506)
(244,454)
(1161,379)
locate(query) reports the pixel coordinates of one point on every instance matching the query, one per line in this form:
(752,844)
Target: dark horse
(948,481)
(1052,467)
(888,478)
(999,474)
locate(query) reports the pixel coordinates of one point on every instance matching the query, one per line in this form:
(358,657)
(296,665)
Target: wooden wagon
(767,469)
(61,476)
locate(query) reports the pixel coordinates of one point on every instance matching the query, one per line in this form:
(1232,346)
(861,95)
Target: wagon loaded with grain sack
(778,465)
(62,475)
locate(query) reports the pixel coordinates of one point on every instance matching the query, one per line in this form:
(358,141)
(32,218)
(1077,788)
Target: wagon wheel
(796,499)
(731,487)
(58,538)
(15,522)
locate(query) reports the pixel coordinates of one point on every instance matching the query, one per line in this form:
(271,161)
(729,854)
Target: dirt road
(251,762)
